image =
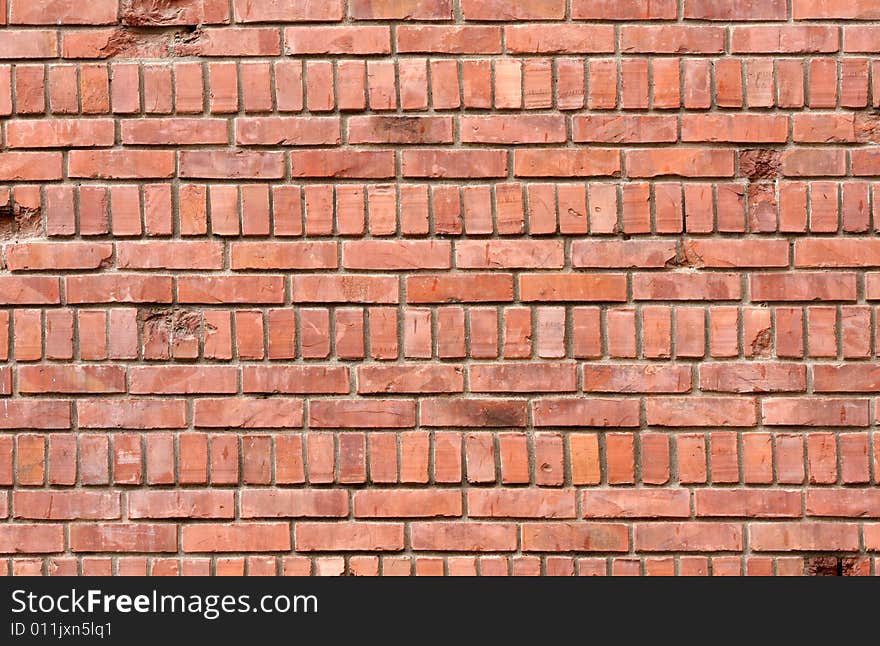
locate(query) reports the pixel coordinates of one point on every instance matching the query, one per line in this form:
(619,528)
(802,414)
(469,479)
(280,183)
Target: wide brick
(295,379)
(59,12)
(345,289)
(244,412)
(131,413)
(72,379)
(735,253)
(575,537)
(399,130)
(346,40)
(686,286)
(372,413)
(400,9)
(349,536)
(556,39)
(823,10)
(285,255)
(701,411)
(407,503)
(60,133)
(804,286)
(814,411)
(396,255)
(174,132)
(66,505)
(830,252)
(748,503)
(454,164)
(843,503)
(636,503)
(230,289)
(34,414)
(169,255)
(182,380)
(181,504)
(237,537)
(29,290)
(30,166)
(287,131)
(123,537)
(39,538)
(365,164)
(449,39)
(118,288)
(471,536)
(469,412)
(291,503)
(753,377)
(121,164)
(586,412)
(804,537)
(460,288)
(410,379)
(672,39)
(279,11)
(737,9)
(634,378)
(223,164)
(731,128)
(682,162)
(28,43)
(521,503)
(546,377)
(572,287)
(688,537)
(620,129)
(36,256)
(784,39)
(854,377)
(565,162)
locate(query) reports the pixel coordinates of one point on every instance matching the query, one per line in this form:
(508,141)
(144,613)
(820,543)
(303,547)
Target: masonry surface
(439,287)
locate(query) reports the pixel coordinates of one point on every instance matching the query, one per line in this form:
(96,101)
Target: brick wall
(439,286)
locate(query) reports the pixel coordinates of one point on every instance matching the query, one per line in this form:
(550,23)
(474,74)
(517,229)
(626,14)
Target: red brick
(40,539)
(349,536)
(181,504)
(238,537)
(521,503)
(753,377)
(804,537)
(636,503)
(407,503)
(688,537)
(468,536)
(288,503)
(579,537)
(747,503)
(815,411)
(123,537)
(701,411)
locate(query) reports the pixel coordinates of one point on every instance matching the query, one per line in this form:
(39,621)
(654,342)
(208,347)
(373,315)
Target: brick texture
(439,287)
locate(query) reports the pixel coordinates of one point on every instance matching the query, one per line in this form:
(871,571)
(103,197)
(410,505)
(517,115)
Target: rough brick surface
(439,287)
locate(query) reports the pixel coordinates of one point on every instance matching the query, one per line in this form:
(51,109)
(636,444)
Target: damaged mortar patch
(833,566)
(823,566)
(761,163)
(175,323)
(762,343)
(762,207)
(161,13)
(867,127)
(129,42)
(18,221)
